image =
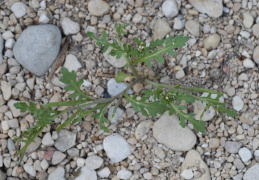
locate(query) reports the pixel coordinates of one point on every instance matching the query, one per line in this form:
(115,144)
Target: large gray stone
(37,48)
(252,173)
(167,130)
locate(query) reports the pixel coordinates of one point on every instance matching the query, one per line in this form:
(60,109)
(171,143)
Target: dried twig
(60,59)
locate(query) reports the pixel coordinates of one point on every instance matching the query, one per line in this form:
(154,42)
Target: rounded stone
(37,48)
(256,55)
(116,147)
(98,7)
(167,130)
(212,41)
(170,8)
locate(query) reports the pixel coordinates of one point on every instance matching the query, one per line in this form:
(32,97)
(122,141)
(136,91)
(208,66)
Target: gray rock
(93,162)
(193,27)
(187,174)
(248,20)
(245,154)
(213,8)
(252,173)
(57,157)
(19,9)
(238,176)
(115,88)
(47,140)
(15,112)
(29,169)
(124,174)
(255,30)
(10,145)
(119,63)
(34,146)
(69,26)
(86,174)
(232,147)
(71,63)
(118,114)
(57,174)
(1,48)
(247,118)
(237,103)
(161,29)
(116,147)
(6,90)
(193,159)
(211,42)
(2,176)
(66,140)
(98,7)
(178,24)
(37,48)
(256,54)
(170,8)
(167,130)
(239,164)
(104,172)
(73,152)
(143,128)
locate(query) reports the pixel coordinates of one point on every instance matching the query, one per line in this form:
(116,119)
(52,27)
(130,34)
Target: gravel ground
(222,54)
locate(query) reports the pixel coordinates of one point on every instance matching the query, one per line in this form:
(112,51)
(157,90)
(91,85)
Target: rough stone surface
(245,154)
(6,90)
(115,88)
(170,8)
(93,162)
(211,42)
(116,147)
(161,29)
(19,9)
(34,146)
(237,103)
(58,174)
(233,147)
(57,157)
(71,63)
(86,174)
(124,174)
(193,27)
(248,20)
(69,26)
(143,128)
(119,63)
(256,54)
(98,7)
(118,114)
(1,48)
(252,173)
(37,48)
(193,158)
(247,118)
(167,130)
(66,140)
(213,8)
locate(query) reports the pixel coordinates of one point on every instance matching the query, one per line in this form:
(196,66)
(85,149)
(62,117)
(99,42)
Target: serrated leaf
(121,76)
(170,44)
(102,119)
(147,108)
(69,78)
(119,29)
(197,124)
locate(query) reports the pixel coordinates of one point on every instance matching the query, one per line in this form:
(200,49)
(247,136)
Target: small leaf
(122,76)
(101,118)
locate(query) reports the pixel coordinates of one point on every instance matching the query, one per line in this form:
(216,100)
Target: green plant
(150,102)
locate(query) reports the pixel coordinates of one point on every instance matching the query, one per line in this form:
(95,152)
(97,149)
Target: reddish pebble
(48,155)
(226,69)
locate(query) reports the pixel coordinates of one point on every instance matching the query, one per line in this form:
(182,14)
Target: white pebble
(237,103)
(248,63)
(245,154)
(9,43)
(19,9)
(80,162)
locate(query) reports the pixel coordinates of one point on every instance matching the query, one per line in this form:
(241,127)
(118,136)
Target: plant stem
(132,68)
(99,101)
